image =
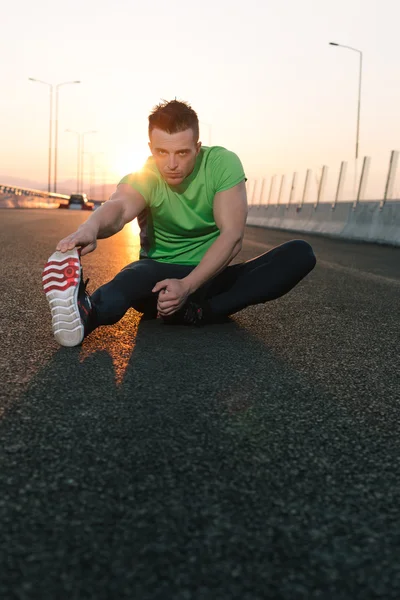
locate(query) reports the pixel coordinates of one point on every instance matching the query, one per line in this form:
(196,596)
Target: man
(191,206)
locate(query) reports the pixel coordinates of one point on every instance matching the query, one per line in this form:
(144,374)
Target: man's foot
(190,314)
(65,291)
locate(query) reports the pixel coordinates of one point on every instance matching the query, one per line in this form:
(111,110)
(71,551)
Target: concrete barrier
(12,196)
(16,197)
(26,201)
(367,221)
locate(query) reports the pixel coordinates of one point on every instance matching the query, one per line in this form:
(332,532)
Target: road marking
(359,273)
(332,265)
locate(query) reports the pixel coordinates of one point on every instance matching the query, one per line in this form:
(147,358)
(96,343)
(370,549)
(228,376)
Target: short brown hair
(174,116)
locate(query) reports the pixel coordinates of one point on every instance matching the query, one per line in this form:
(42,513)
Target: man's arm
(230,213)
(124,205)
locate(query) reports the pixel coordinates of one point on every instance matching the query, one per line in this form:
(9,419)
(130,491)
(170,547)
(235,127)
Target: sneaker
(190,314)
(65,291)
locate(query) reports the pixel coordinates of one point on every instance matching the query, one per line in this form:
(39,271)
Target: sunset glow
(129,161)
(294,109)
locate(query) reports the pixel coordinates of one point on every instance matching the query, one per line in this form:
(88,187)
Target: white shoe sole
(61,277)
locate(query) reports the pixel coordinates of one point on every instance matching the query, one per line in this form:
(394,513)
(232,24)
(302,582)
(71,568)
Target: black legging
(267,277)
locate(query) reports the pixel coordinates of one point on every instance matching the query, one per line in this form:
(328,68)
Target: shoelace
(83,285)
(193,314)
(86,300)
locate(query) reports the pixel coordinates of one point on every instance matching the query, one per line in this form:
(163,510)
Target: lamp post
(93,165)
(91,156)
(50,128)
(80,154)
(78,179)
(56,131)
(359,90)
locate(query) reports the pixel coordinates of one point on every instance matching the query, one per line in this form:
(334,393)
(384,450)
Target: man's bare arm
(124,205)
(230,213)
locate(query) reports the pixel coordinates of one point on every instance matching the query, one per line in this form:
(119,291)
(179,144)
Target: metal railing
(50,199)
(20,191)
(375,180)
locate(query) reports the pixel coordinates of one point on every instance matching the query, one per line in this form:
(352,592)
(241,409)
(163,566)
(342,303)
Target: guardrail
(20,191)
(12,196)
(357,181)
(360,203)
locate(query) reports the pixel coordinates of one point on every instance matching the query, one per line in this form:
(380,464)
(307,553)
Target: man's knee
(304,252)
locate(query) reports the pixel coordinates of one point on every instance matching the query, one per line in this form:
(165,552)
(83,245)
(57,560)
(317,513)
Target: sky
(261,76)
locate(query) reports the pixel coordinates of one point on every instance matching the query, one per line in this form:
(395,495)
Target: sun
(130,160)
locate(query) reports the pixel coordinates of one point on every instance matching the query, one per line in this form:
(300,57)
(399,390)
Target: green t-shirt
(178,225)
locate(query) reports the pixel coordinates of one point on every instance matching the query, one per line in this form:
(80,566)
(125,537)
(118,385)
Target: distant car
(77,202)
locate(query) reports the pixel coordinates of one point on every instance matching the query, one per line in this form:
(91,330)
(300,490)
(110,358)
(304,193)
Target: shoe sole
(61,277)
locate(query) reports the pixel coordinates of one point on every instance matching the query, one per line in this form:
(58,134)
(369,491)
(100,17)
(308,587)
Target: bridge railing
(350,181)
(356,200)
(12,196)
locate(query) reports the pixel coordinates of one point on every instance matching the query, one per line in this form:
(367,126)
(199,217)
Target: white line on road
(332,265)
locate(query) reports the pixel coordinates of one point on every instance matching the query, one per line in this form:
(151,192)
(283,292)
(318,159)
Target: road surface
(254,459)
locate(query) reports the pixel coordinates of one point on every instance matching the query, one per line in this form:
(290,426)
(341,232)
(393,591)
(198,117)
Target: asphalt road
(254,459)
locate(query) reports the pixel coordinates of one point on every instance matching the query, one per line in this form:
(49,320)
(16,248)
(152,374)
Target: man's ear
(149,144)
(198,146)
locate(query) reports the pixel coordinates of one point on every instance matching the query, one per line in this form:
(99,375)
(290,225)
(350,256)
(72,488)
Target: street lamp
(78,179)
(80,156)
(56,131)
(50,127)
(92,156)
(359,90)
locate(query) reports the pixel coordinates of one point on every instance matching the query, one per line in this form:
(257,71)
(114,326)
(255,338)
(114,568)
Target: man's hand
(85,238)
(172,295)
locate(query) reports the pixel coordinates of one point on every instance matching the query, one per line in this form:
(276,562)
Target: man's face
(174,153)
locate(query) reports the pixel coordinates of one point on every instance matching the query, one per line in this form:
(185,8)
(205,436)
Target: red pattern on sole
(70,261)
(69,271)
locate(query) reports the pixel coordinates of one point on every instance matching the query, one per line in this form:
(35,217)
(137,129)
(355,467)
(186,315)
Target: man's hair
(174,116)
